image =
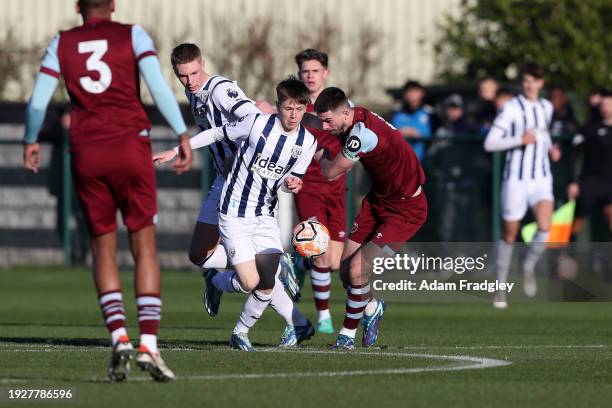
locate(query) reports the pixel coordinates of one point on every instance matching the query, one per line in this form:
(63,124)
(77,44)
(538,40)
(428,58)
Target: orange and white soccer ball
(310,238)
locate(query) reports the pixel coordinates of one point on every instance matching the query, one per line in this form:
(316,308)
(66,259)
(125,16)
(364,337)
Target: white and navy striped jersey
(267,156)
(220,101)
(523,162)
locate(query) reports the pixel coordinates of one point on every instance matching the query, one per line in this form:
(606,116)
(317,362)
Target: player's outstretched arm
(35,115)
(202,139)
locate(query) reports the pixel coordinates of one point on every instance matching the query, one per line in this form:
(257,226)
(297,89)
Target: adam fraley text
(422,263)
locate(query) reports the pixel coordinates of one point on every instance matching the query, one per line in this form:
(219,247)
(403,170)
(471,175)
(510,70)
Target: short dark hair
(410,84)
(292,88)
(184,53)
(311,54)
(330,99)
(533,69)
(87,5)
(606,93)
(504,90)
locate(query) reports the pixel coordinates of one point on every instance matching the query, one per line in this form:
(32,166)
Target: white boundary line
(467,363)
(36,348)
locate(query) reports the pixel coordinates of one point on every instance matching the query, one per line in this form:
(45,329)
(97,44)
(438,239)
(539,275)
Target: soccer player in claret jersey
(391,213)
(321,199)
(111,161)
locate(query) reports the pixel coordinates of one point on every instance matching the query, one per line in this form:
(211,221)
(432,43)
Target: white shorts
(208,211)
(244,238)
(518,195)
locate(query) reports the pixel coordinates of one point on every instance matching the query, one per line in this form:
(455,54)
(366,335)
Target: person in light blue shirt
(414,119)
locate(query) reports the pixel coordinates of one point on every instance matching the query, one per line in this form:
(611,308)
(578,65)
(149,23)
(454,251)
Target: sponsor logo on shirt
(268,169)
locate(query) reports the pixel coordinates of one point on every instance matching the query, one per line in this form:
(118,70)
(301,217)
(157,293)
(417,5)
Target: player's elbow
(36,106)
(489,146)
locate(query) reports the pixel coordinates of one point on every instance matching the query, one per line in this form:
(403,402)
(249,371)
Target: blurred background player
(414,119)
(391,213)
(275,151)
(593,186)
(521,129)
(111,161)
(216,101)
(320,199)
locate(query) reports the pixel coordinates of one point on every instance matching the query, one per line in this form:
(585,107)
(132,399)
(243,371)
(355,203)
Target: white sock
(348,332)
(252,310)
(284,306)
(227,282)
(323,315)
(150,342)
(504,259)
(116,335)
(536,249)
(218,259)
(371,307)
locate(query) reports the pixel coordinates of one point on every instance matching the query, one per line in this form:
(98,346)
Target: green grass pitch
(52,337)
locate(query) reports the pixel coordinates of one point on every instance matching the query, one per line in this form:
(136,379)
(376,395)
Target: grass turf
(51,337)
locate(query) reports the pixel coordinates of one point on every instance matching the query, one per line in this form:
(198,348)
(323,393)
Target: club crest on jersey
(232,93)
(296,151)
(266,168)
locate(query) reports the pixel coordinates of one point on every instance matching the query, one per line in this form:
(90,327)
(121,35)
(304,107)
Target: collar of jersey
(96,20)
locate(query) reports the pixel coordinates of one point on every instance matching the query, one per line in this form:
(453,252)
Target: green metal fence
(356,181)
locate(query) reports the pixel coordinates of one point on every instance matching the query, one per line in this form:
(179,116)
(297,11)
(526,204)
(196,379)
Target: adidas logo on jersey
(266,168)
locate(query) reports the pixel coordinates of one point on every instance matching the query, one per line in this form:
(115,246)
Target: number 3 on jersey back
(97,48)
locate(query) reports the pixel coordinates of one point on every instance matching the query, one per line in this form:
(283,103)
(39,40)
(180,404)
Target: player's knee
(249,283)
(198,255)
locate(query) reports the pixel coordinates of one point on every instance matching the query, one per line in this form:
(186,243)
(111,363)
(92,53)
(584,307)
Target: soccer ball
(310,238)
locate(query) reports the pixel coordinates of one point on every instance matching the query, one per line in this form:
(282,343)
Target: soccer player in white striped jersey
(274,152)
(214,101)
(521,130)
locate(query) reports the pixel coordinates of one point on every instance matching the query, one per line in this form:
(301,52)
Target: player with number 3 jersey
(101,62)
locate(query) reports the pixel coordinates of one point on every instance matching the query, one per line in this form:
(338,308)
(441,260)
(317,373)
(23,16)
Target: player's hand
(573,191)
(555,153)
(319,155)
(265,107)
(410,132)
(164,157)
(322,153)
(294,184)
(31,156)
(529,137)
(185,155)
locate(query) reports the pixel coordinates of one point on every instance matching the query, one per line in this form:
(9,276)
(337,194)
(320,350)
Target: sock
(113,313)
(227,282)
(358,298)
(504,259)
(149,315)
(321,284)
(535,251)
(252,310)
(218,259)
(284,306)
(371,307)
